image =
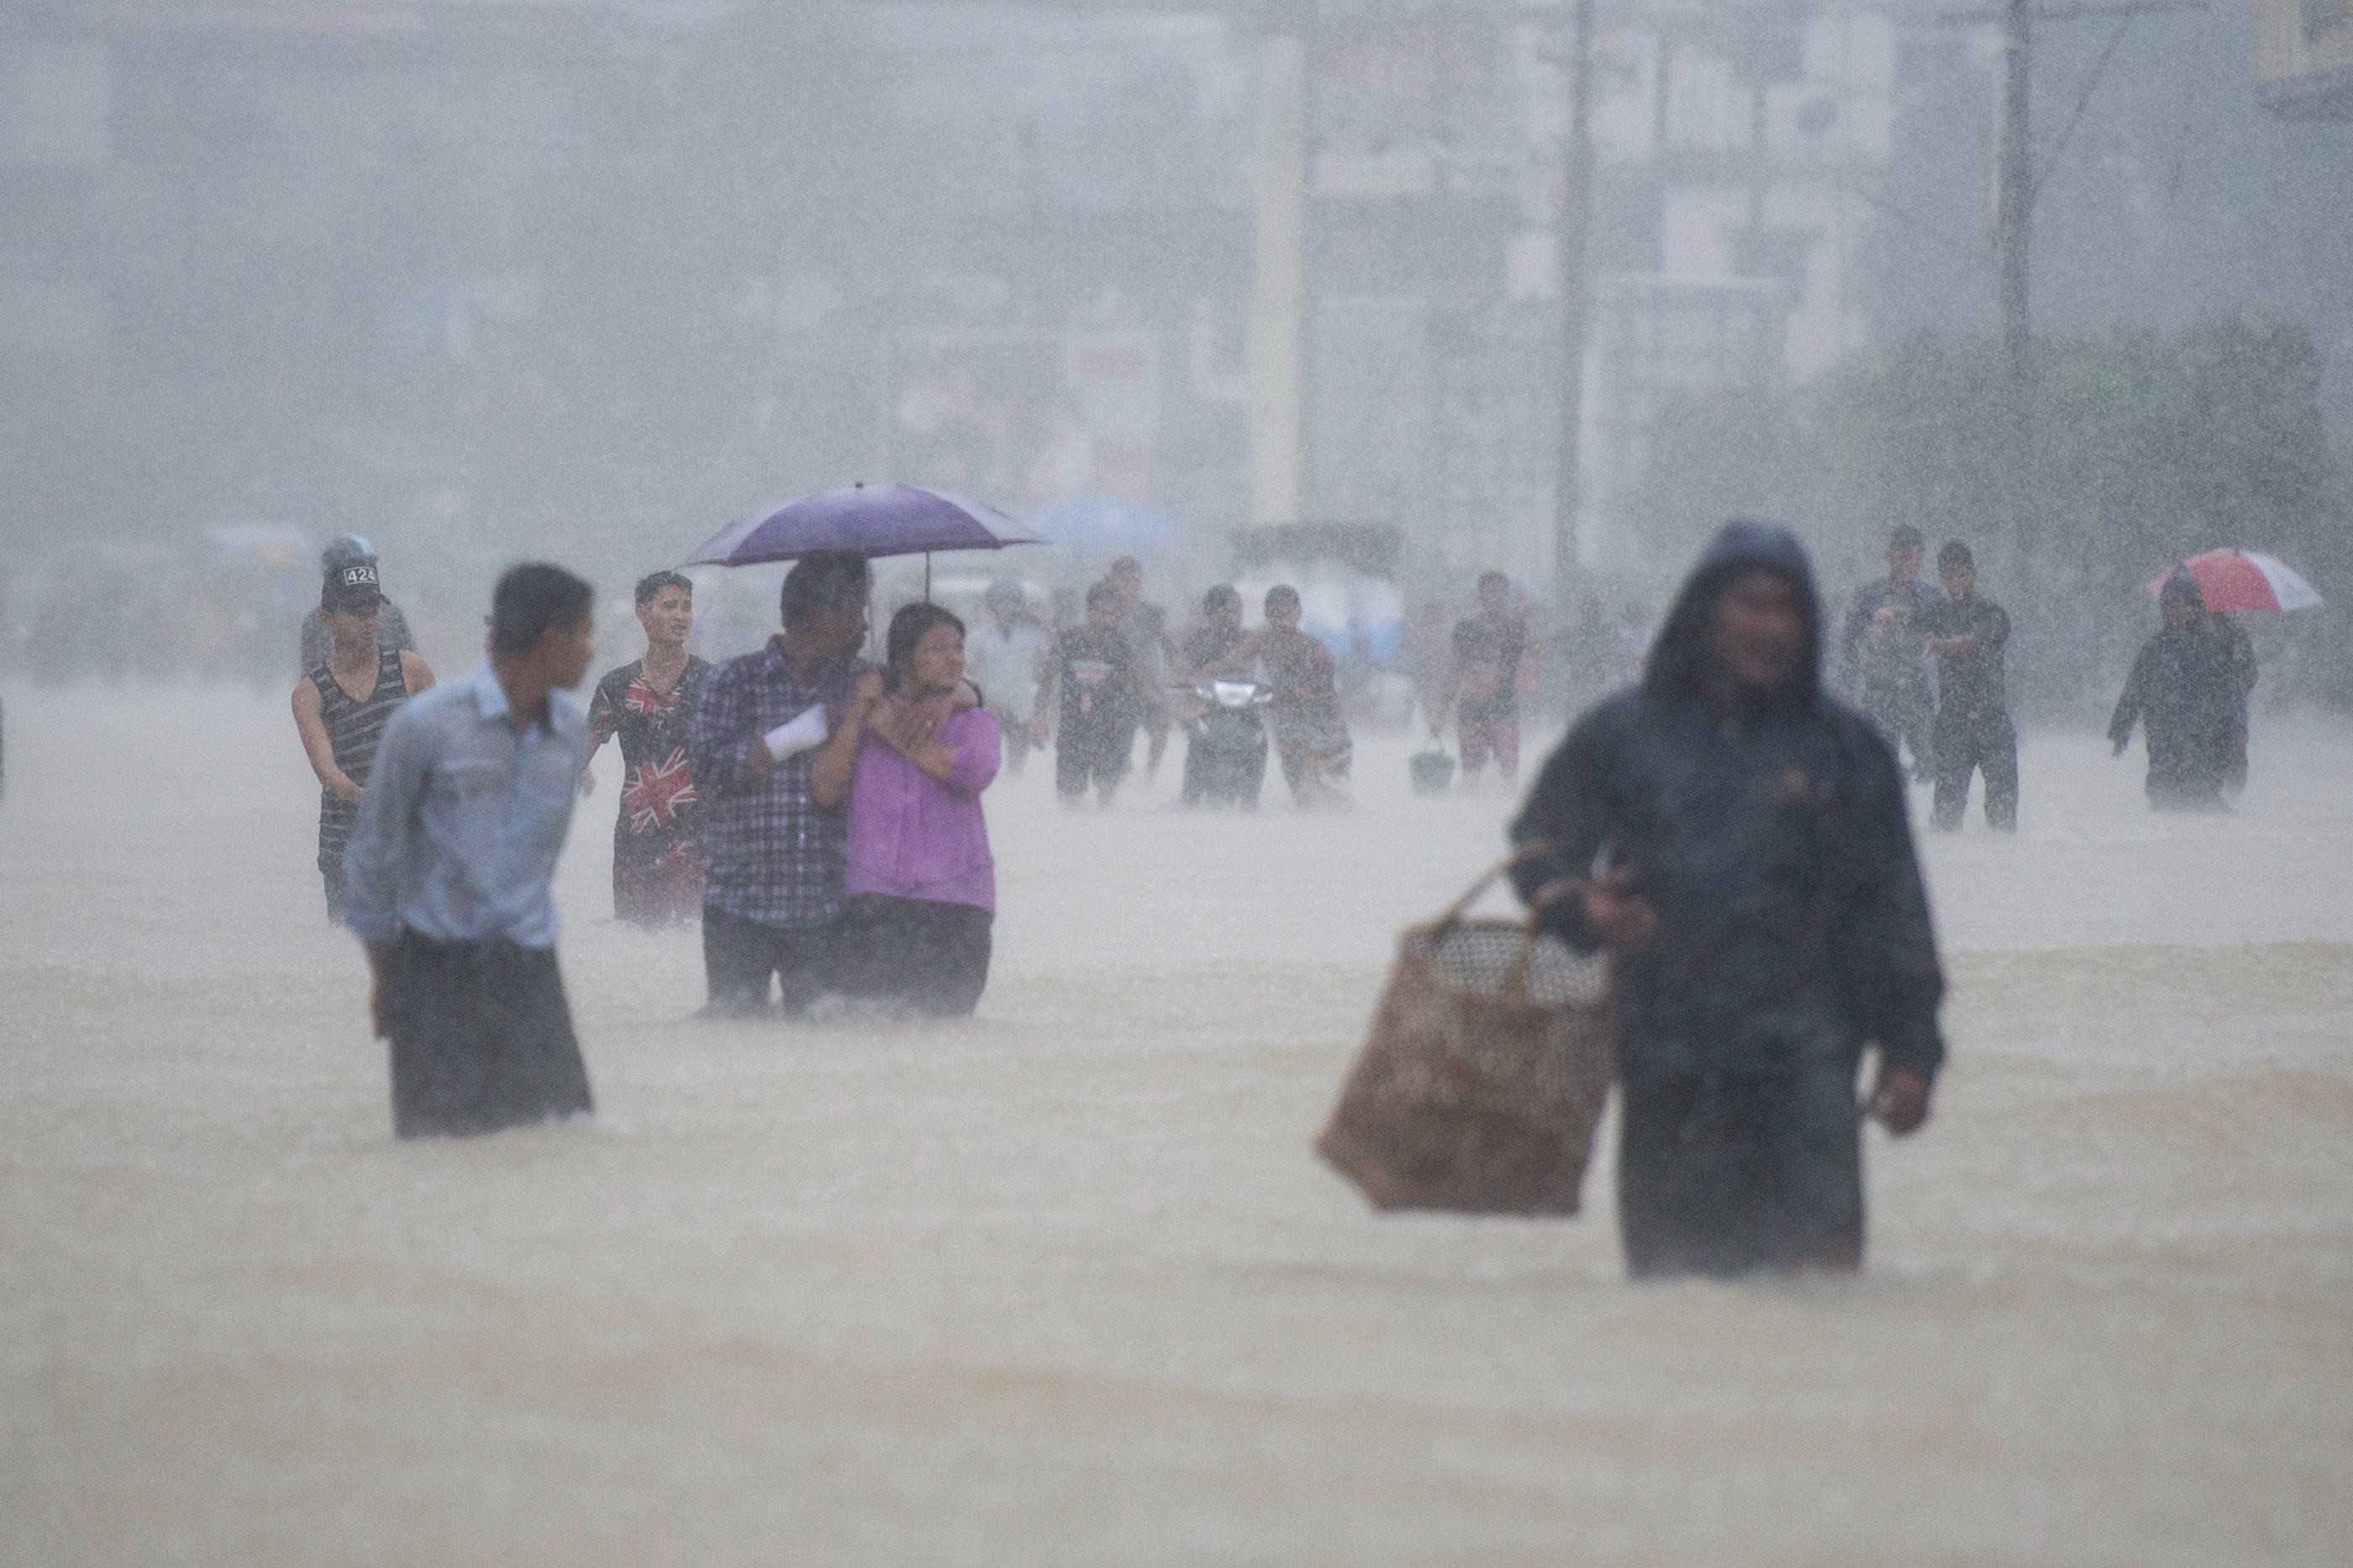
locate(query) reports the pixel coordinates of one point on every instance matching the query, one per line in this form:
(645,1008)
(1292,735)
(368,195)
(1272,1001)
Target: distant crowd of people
(1734,839)
(1926,669)
(818,815)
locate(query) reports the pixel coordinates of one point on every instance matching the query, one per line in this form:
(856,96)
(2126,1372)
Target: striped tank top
(355,730)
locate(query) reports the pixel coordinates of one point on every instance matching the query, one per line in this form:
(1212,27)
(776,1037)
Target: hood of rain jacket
(1679,658)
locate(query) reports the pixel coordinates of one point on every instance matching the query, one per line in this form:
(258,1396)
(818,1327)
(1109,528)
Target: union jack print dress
(657,865)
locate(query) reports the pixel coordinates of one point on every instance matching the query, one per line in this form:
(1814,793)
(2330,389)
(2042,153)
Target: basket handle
(1461,906)
(1516,985)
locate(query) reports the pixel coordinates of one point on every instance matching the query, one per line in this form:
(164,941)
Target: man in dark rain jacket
(1737,840)
(2188,687)
(1966,635)
(1880,654)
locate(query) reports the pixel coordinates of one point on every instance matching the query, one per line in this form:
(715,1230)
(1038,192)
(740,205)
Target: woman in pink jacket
(921,882)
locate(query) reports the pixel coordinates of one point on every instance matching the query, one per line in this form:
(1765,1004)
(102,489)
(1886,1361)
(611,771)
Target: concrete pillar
(1278,297)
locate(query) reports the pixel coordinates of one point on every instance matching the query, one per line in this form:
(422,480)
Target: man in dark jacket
(1966,635)
(1738,841)
(2188,687)
(1880,654)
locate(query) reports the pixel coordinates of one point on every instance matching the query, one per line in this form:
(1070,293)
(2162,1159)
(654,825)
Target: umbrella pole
(927,576)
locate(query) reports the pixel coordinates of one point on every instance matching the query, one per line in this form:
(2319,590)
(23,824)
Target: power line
(2082,99)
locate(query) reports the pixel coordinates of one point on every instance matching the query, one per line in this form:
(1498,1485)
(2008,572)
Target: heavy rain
(1357,392)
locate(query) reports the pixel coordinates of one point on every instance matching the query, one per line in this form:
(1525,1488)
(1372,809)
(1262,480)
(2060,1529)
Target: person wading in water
(1766,917)
(342,705)
(649,704)
(451,865)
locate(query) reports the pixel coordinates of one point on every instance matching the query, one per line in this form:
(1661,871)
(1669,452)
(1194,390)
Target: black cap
(351,586)
(1904,536)
(345,549)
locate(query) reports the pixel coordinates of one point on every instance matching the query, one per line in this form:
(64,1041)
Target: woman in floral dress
(648,704)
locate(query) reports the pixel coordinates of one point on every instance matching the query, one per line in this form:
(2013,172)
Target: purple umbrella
(872,519)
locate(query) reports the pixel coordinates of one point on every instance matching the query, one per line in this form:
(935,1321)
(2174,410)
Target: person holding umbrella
(2188,690)
(774,848)
(771,755)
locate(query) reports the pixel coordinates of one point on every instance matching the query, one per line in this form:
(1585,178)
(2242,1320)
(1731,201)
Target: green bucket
(1433,771)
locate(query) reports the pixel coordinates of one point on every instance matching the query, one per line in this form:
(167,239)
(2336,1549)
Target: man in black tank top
(341,706)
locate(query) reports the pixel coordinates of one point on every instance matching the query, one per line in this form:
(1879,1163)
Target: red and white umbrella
(2242,580)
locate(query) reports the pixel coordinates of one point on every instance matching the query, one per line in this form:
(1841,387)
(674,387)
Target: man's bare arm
(310,724)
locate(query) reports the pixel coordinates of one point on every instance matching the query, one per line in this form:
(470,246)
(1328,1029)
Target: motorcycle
(1225,745)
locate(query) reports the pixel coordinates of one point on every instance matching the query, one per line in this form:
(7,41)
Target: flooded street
(1066,1284)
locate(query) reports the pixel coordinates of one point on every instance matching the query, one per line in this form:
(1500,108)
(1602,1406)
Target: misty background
(480,280)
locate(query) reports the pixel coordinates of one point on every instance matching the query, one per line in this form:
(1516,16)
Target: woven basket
(1487,1072)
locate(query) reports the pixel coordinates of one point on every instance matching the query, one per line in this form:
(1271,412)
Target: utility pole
(1575,294)
(2013,220)
(2016,187)
(1278,294)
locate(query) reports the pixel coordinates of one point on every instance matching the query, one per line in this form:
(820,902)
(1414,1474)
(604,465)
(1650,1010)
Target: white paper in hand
(797,734)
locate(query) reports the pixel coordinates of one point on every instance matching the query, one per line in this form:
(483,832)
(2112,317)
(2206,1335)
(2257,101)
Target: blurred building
(2304,58)
(1728,247)
(474,271)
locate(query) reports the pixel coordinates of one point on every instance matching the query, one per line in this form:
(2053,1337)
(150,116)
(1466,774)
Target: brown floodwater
(1065,1284)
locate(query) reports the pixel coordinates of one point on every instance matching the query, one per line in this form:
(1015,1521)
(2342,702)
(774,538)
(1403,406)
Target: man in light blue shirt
(447,875)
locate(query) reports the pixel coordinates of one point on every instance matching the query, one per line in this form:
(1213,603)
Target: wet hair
(650,585)
(909,627)
(1955,554)
(1281,593)
(824,580)
(1905,537)
(1224,593)
(531,600)
(1102,593)
(1125,564)
(1498,579)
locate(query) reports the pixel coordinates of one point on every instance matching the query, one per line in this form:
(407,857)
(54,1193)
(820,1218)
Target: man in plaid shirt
(774,857)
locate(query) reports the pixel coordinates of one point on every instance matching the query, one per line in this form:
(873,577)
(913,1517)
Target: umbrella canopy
(1111,526)
(2242,580)
(871,520)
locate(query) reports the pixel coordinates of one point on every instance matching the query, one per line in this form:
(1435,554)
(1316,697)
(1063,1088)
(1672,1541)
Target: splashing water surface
(1066,1284)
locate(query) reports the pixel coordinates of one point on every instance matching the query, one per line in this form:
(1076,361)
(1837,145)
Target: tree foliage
(2147,445)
